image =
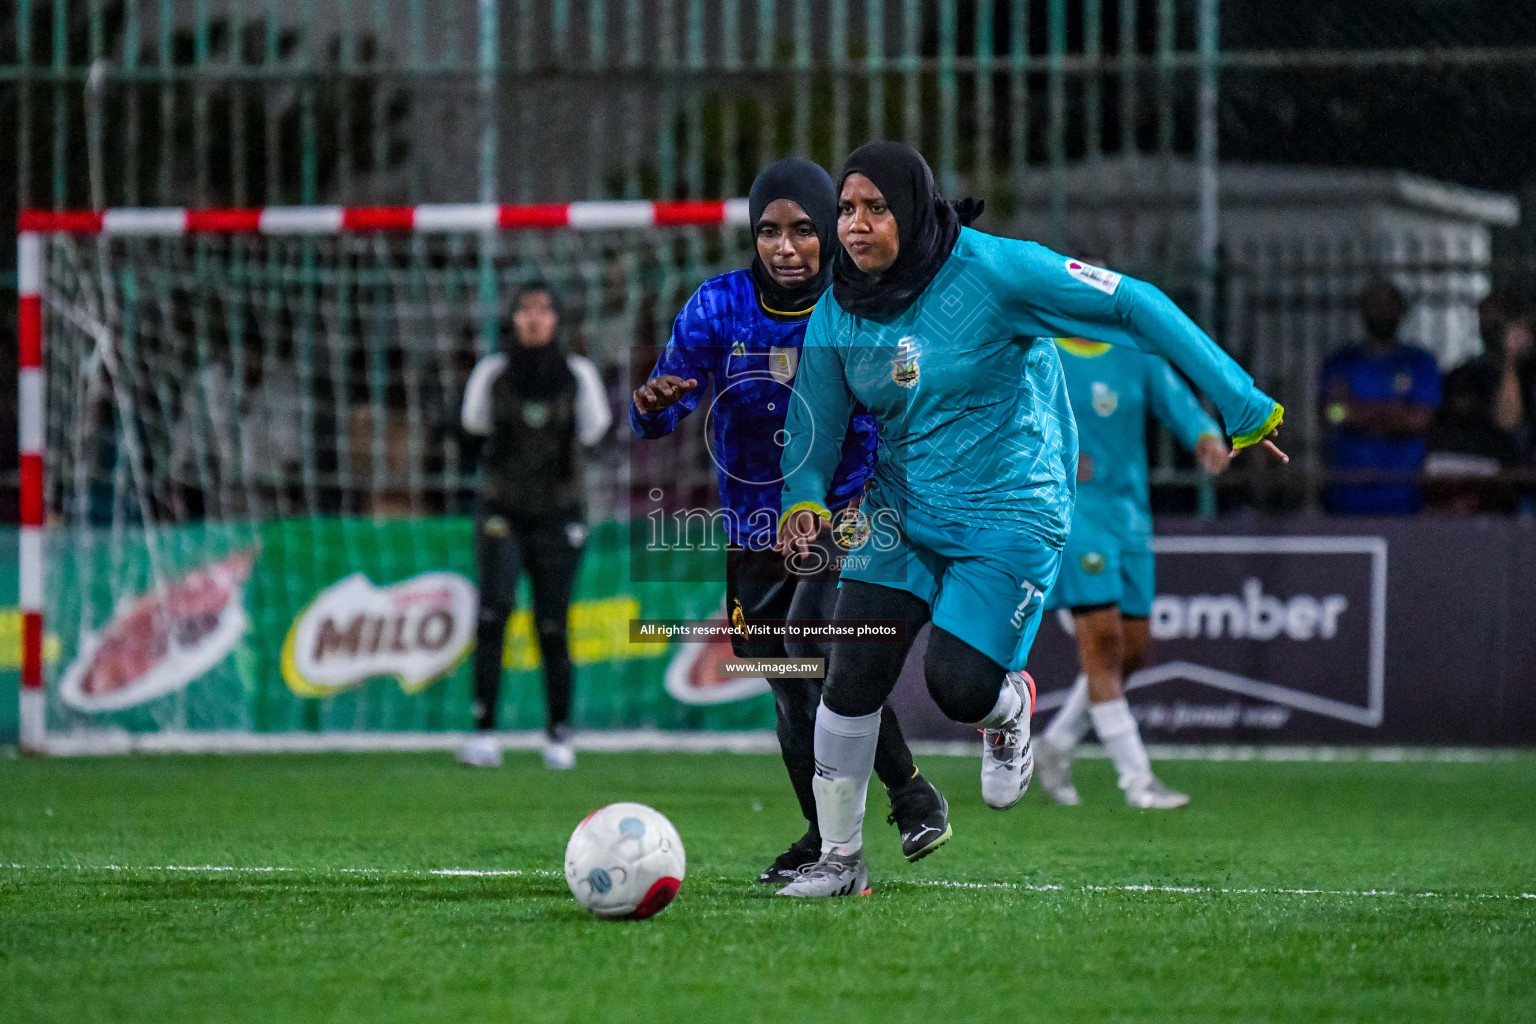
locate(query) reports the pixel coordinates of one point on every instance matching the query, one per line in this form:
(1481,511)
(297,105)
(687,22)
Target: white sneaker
(1149,794)
(480,751)
(1054,766)
(1007,762)
(833,875)
(559,755)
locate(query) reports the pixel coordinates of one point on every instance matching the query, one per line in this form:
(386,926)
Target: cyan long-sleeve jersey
(1112,390)
(752,359)
(967,390)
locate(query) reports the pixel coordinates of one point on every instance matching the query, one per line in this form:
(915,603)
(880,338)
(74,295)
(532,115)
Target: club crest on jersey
(904,368)
(1092,563)
(1105,281)
(1105,399)
(536,414)
(738,617)
(782,363)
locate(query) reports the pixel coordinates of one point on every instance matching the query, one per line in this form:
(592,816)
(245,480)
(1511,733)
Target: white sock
(1116,727)
(1007,708)
(845,759)
(1071,723)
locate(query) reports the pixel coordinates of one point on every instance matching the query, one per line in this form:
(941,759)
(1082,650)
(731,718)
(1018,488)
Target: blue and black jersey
(725,336)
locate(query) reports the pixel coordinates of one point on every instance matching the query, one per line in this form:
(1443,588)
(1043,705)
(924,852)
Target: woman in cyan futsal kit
(743,330)
(944,334)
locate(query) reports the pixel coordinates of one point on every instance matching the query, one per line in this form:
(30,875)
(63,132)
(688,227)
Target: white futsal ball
(624,860)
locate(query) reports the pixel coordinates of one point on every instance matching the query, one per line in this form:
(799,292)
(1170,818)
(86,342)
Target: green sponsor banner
(10,637)
(350,624)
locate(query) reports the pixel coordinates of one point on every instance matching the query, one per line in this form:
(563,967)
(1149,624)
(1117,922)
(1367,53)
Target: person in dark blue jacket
(1379,399)
(743,331)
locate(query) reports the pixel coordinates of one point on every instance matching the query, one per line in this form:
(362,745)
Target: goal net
(247,500)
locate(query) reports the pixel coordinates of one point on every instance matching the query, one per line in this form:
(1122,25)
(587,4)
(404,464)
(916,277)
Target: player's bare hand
(799,530)
(658,393)
(1211,452)
(1269,444)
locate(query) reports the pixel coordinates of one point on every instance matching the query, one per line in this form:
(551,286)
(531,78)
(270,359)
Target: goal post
(245,507)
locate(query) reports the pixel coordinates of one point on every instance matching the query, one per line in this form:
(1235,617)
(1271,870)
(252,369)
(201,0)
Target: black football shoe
(920,812)
(786,868)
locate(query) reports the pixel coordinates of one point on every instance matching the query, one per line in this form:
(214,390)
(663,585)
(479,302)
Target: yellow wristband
(1253,437)
(800,506)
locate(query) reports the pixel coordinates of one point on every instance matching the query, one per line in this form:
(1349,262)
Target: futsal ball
(624,860)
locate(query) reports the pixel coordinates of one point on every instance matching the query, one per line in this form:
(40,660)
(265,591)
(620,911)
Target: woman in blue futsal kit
(744,330)
(944,334)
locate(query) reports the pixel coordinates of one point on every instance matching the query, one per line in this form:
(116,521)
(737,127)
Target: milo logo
(417,631)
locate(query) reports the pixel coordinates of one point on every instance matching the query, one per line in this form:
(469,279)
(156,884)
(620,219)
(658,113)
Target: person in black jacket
(536,406)
(1486,422)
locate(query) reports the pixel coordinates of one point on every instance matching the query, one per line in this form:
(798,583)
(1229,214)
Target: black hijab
(927,229)
(805,183)
(536,371)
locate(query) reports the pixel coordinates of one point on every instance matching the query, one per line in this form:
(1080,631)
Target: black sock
(893,758)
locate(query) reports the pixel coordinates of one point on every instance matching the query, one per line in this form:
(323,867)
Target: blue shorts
(1100,568)
(987,587)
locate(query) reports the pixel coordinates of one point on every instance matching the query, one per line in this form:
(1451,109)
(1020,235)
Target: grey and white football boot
(1149,794)
(1007,762)
(1053,767)
(835,874)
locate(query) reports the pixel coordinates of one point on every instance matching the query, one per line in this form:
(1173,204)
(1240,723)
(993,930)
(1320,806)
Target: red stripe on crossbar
(32,650)
(224,221)
(31,489)
(82,221)
(534,215)
(711,211)
(378,218)
(29,337)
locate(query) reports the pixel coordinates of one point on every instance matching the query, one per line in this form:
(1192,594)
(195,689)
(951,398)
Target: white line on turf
(1201,890)
(933,883)
(85,743)
(266,869)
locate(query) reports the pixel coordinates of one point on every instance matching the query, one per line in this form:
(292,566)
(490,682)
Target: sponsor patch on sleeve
(1105,281)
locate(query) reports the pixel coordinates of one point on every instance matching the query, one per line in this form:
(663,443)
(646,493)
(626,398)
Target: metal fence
(259,102)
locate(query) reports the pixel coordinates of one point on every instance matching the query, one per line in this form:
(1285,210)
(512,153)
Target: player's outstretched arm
(672,390)
(1050,294)
(1177,408)
(814,431)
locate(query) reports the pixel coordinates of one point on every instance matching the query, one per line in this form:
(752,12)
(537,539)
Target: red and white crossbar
(431,217)
(33,225)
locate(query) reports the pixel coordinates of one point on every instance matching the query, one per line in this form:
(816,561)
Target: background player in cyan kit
(743,330)
(936,329)
(536,406)
(1107,574)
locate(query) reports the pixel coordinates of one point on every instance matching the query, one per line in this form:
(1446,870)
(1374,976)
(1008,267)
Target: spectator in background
(1378,398)
(1485,425)
(536,406)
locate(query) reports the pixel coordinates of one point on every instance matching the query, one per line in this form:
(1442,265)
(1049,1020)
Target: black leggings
(963,682)
(506,543)
(759,583)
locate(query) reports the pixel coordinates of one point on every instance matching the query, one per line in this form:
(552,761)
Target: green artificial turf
(1422,918)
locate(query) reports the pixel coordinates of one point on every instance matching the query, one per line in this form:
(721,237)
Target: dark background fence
(1053,111)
